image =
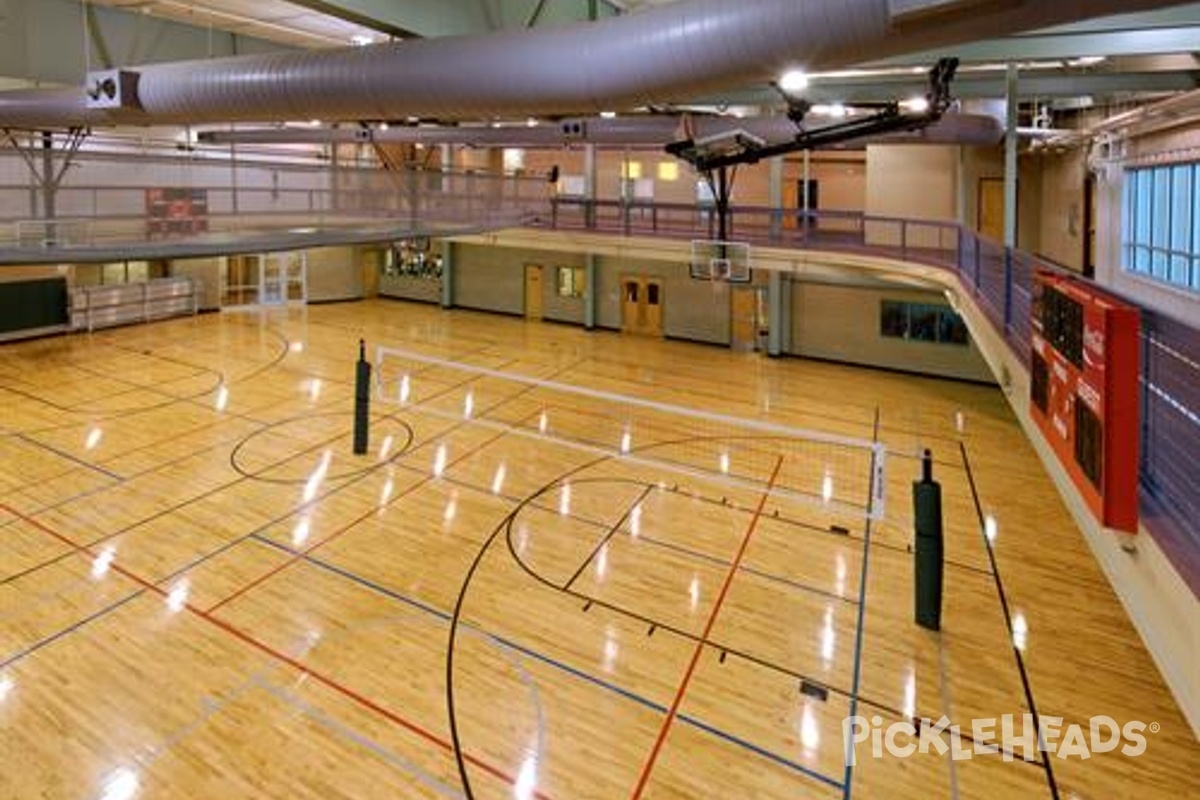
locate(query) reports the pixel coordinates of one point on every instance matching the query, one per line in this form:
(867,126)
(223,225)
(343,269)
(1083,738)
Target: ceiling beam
(433,18)
(881,88)
(1045,47)
(379,15)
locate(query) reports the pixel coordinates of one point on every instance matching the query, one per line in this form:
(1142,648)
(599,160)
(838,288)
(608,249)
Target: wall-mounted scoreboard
(1084,391)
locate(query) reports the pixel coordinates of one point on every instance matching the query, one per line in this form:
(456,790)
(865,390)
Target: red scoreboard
(1084,391)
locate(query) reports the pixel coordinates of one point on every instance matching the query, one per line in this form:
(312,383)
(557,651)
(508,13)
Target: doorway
(991,209)
(272,282)
(812,190)
(240,280)
(533,291)
(273,279)
(1089,226)
(744,317)
(283,279)
(642,305)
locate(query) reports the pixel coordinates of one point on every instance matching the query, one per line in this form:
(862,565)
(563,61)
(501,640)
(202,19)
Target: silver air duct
(665,54)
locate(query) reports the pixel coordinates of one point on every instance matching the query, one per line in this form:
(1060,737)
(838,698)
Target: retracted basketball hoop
(719,261)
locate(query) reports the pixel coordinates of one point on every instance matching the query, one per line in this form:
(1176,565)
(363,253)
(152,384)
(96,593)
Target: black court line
(456,618)
(156,390)
(253,535)
(1028,689)
(507,527)
(177,507)
(192,399)
(508,523)
(270,330)
(607,538)
(808,526)
(260,475)
(644,538)
(76,409)
(767,576)
(793,674)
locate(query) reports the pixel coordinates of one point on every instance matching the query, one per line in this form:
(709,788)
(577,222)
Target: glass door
(297,277)
(273,281)
(241,281)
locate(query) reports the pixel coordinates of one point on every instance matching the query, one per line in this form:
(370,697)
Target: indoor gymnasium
(572,399)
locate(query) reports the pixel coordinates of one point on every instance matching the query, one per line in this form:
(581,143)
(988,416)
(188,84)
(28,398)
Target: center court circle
(289,450)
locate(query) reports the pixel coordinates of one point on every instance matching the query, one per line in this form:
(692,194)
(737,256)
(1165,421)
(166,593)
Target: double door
(271,279)
(642,305)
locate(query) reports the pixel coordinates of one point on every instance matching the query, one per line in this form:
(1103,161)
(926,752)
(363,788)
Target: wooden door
(653,318)
(372,264)
(743,317)
(533,291)
(632,311)
(240,281)
(991,208)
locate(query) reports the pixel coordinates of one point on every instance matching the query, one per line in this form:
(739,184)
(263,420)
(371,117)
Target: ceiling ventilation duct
(665,54)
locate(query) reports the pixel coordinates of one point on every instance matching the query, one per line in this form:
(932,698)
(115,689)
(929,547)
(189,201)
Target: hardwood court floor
(203,594)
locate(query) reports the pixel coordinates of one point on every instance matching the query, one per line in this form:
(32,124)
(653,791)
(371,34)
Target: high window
(1161,228)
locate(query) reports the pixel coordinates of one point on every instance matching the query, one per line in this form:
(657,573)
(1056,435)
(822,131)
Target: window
(412,258)
(570,281)
(922,322)
(1161,224)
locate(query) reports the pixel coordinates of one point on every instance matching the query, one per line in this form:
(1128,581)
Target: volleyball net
(695,450)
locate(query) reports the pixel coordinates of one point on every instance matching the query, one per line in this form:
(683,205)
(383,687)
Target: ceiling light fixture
(836,110)
(794,80)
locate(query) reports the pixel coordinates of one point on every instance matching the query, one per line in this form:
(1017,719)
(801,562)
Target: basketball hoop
(721,262)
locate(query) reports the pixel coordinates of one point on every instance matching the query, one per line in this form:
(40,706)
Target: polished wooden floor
(204,594)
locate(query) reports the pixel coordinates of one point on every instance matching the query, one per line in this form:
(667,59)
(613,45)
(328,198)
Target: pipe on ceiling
(637,132)
(658,56)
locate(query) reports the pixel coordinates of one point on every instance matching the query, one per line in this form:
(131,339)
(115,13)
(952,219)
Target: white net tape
(651,440)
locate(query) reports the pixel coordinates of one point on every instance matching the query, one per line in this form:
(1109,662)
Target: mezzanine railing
(1001,281)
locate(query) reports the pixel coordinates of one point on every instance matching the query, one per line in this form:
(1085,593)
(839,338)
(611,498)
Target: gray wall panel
(842,323)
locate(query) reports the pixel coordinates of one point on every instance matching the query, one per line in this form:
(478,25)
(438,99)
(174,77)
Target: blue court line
(767,754)
(551,662)
(33,648)
(72,458)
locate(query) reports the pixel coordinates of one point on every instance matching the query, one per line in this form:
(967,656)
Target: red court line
(644,778)
(241,635)
(347,527)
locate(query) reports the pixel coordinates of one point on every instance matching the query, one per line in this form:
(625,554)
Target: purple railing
(1001,281)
